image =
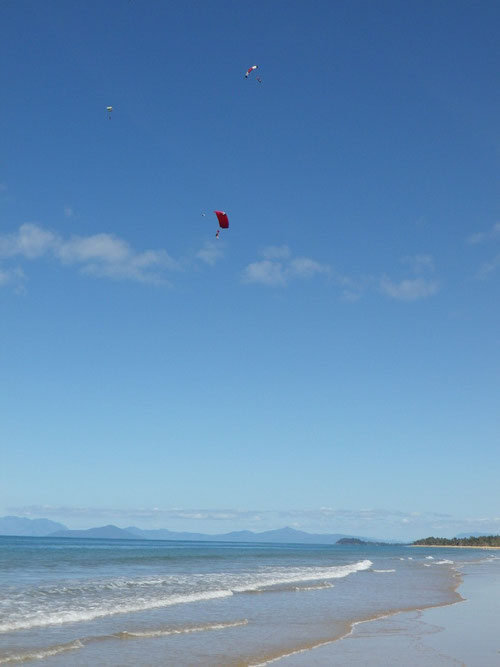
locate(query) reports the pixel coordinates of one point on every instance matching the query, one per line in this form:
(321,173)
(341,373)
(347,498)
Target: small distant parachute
(109,110)
(250,70)
(223,221)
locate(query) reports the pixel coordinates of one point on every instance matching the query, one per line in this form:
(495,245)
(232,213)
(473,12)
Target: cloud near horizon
(368,522)
(103,255)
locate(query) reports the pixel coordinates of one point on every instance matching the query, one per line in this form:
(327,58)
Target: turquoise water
(118,602)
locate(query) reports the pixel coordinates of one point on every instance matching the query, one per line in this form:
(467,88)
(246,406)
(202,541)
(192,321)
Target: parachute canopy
(222,218)
(109,109)
(249,70)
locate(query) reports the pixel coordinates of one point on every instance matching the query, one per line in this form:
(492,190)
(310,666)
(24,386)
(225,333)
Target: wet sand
(465,633)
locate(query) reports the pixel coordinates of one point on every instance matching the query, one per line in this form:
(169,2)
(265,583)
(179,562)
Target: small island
(351,540)
(484,541)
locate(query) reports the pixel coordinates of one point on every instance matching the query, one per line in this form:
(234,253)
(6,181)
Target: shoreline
(312,649)
(460,633)
(451,546)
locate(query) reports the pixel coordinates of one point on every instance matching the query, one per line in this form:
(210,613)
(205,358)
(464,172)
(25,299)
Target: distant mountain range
(20,526)
(17,525)
(282,535)
(103,532)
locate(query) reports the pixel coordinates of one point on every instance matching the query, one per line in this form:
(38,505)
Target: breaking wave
(97,599)
(179,631)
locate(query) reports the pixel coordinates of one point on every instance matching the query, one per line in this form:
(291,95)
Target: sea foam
(40,654)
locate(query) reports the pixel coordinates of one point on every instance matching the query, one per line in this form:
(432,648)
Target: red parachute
(222,218)
(250,69)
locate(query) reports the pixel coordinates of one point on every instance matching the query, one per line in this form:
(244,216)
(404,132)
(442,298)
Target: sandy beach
(465,633)
(452,546)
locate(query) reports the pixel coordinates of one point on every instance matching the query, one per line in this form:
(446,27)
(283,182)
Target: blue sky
(332,361)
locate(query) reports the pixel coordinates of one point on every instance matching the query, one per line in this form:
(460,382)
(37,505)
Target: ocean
(117,602)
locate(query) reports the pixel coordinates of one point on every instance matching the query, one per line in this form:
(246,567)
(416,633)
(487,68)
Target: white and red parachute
(223,219)
(250,70)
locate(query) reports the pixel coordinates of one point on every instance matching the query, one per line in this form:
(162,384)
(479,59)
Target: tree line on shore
(482,541)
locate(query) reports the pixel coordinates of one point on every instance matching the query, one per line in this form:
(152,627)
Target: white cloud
(68,212)
(492,235)
(303,267)
(353,288)
(412,289)
(278,267)
(479,237)
(100,247)
(210,253)
(11,276)
(31,241)
(476,238)
(265,272)
(489,267)
(409,289)
(99,254)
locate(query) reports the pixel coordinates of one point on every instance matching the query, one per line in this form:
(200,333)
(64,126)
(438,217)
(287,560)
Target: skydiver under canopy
(223,222)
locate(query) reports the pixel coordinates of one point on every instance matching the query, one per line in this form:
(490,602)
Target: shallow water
(114,602)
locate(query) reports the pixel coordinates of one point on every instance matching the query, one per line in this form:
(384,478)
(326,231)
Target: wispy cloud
(68,212)
(103,255)
(409,289)
(419,286)
(12,277)
(265,272)
(323,515)
(211,253)
(279,267)
(489,267)
(480,237)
